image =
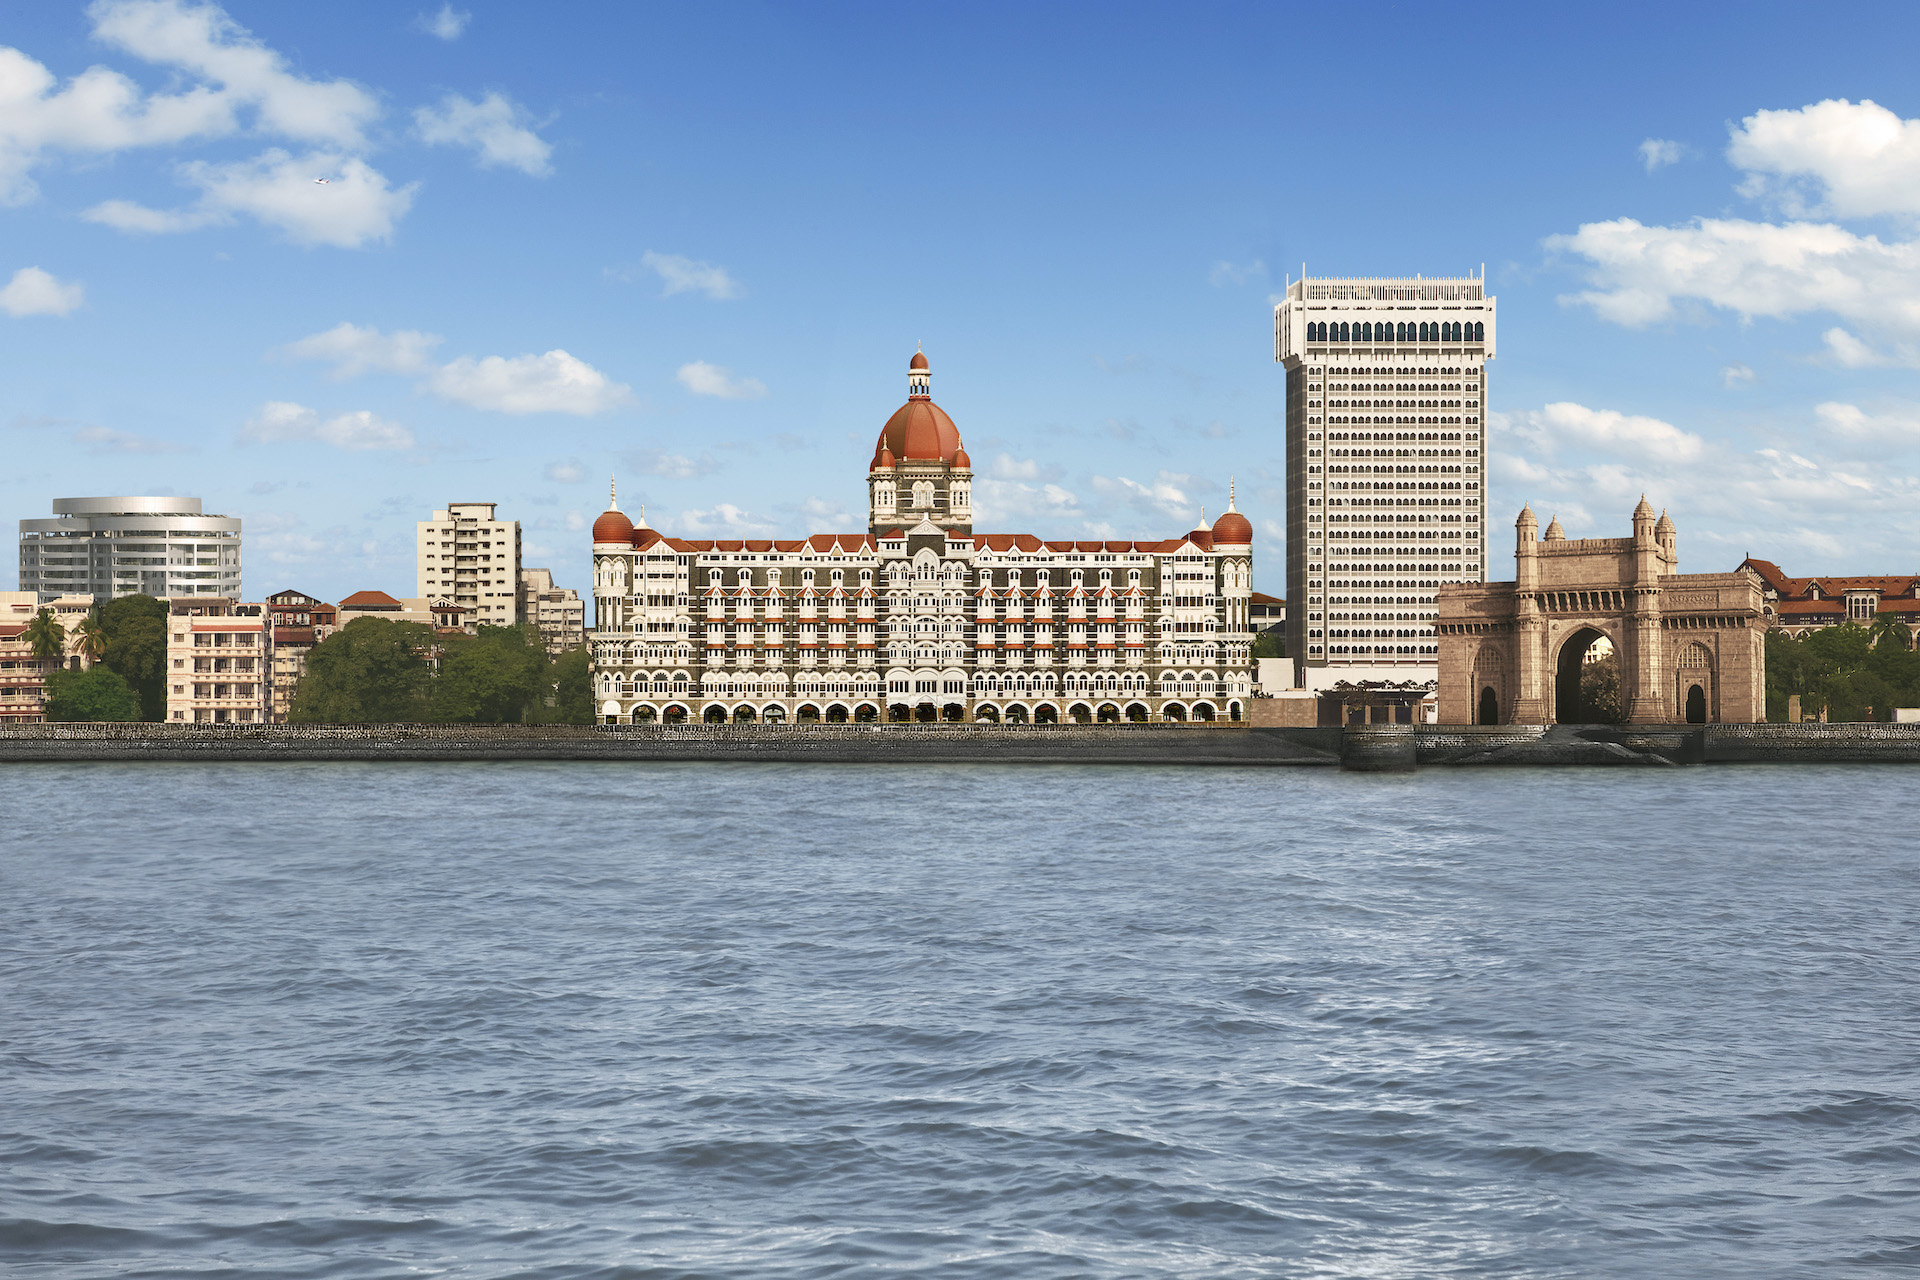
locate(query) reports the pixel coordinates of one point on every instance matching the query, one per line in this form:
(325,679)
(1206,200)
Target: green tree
(46,636)
(371,671)
(98,693)
(494,677)
(1847,669)
(1600,701)
(92,641)
(136,632)
(569,683)
(1269,644)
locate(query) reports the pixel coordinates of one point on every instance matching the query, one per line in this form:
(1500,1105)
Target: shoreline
(1370,748)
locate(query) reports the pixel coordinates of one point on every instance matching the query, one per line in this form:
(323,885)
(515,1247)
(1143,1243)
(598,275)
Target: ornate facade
(1690,646)
(920,617)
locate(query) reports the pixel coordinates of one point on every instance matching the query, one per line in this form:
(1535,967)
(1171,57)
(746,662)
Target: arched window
(1343,332)
(1479,331)
(1400,331)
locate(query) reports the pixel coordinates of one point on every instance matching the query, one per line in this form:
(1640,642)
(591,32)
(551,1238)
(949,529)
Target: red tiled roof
(370,600)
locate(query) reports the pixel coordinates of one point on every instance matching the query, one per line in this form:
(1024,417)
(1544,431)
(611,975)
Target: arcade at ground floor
(881,710)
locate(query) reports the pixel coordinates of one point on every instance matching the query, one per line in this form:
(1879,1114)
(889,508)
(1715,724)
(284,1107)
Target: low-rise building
(558,612)
(300,622)
(450,618)
(23,675)
(1800,605)
(1267,613)
(219,662)
(378,604)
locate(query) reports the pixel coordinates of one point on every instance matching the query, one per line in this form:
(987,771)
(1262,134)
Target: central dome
(920,430)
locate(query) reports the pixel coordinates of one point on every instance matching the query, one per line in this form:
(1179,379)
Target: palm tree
(45,634)
(92,642)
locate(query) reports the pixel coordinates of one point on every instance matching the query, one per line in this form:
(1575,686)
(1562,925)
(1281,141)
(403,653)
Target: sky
(691,249)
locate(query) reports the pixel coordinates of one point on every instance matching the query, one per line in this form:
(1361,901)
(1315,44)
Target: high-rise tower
(1386,395)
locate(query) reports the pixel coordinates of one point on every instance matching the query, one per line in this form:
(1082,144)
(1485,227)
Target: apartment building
(558,612)
(300,622)
(219,662)
(466,556)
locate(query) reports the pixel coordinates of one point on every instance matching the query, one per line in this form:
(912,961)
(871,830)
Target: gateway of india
(920,618)
(1691,646)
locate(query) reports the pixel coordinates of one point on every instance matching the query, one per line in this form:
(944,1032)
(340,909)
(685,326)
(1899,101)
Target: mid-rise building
(1800,605)
(1386,468)
(466,556)
(300,622)
(120,546)
(219,662)
(558,612)
(919,617)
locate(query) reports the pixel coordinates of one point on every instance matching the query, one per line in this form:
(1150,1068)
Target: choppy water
(771,1021)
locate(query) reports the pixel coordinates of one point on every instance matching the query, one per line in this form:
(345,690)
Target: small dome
(1666,524)
(885,461)
(960,459)
(1526,518)
(1645,510)
(1554,532)
(613,526)
(919,360)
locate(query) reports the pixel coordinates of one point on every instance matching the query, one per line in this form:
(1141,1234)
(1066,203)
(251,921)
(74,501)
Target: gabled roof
(371,600)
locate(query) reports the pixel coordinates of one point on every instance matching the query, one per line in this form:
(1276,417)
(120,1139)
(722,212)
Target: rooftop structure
(118,546)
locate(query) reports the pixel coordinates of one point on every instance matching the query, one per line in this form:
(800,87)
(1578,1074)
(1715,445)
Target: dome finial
(1230,499)
(613,494)
(643,517)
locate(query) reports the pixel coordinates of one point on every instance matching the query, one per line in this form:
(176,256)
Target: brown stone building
(1690,645)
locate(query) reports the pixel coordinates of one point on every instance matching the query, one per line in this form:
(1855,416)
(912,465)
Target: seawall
(1372,748)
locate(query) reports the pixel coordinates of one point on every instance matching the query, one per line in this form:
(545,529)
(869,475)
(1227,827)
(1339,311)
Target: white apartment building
(120,546)
(219,662)
(1386,473)
(558,612)
(466,556)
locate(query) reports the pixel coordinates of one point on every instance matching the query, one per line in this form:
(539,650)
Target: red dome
(960,459)
(885,461)
(919,431)
(919,361)
(1232,529)
(612,526)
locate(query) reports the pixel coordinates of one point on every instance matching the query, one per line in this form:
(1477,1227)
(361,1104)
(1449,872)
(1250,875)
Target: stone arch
(1569,665)
(1137,713)
(674,713)
(1489,709)
(1695,693)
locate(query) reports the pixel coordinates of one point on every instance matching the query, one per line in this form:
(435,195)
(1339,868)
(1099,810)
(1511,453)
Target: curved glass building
(120,546)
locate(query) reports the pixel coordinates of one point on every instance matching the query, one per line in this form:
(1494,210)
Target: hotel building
(108,547)
(1386,395)
(919,617)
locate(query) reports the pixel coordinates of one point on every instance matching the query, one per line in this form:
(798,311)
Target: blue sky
(695,246)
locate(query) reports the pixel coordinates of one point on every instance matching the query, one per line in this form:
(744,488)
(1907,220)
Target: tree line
(1854,672)
(370,671)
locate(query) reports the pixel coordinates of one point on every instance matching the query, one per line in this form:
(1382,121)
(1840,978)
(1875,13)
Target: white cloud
(724,521)
(567,472)
(1656,153)
(493,127)
(1849,352)
(355,204)
(1841,158)
(107,440)
(672,466)
(1167,495)
(1900,428)
(448,24)
(1008,467)
(353,350)
(705,379)
(1227,273)
(1567,424)
(33,292)
(280,421)
(685,275)
(552,383)
(824,515)
(1000,501)
(1737,374)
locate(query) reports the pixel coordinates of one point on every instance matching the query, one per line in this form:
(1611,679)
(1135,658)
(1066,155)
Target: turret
(1554,532)
(1667,537)
(1526,570)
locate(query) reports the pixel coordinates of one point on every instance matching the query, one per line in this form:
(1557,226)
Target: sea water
(602,1020)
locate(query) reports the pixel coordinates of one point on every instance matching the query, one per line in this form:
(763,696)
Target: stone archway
(1511,651)
(1586,685)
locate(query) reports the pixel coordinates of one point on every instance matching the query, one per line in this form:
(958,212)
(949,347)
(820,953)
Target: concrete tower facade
(1386,447)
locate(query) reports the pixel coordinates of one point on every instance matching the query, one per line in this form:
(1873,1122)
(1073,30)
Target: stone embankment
(1370,748)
